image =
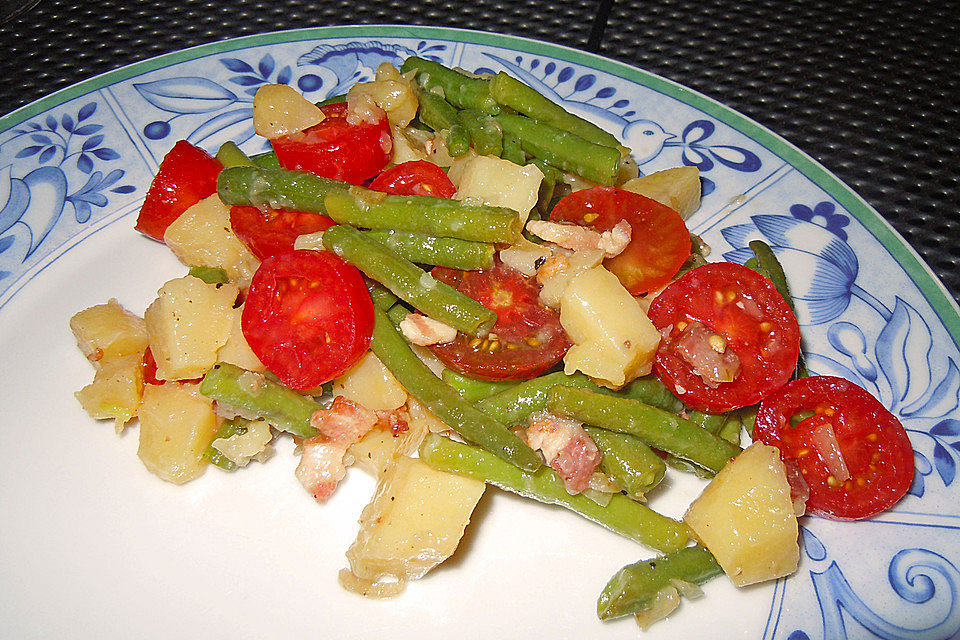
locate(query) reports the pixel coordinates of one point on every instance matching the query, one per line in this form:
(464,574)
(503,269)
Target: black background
(869,89)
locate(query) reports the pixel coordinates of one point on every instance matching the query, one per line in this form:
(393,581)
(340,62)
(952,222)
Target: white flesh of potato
(613,340)
(106,331)
(556,272)
(371,385)
(415,521)
(177,424)
(236,350)
(379,447)
(500,183)
(746,519)
(188,323)
(678,188)
(243,447)
(405,148)
(202,236)
(280,110)
(115,391)
(392,92)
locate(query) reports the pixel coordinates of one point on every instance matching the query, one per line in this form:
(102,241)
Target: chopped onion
(666,600)
(824,440)
(689,590)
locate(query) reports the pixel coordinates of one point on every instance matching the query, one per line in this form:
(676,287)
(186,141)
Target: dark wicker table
(867,88)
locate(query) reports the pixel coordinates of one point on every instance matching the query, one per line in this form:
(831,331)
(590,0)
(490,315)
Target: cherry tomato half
(825,424)
(268,233)
(186,176)
(415,178)
(336,149)
(736,310)
(659,242)
(308,317)
(527,338)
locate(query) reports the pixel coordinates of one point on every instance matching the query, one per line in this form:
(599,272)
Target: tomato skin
(659,240)
(873,443)
(415,178)
(538,341)
(337,149)
(754,319)
(268,233)
(186,176)
(308,317)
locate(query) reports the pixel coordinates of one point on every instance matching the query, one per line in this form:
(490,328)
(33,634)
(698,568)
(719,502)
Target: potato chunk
(115,391)
(280,110)
(678,188)
(371,385)
(202,236)
(187,325)
(746,519)
(415,521)
(613,339)
(236,350)
(176,425)
(107,331)
(500,183)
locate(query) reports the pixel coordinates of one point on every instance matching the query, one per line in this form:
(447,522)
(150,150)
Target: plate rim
(919,272)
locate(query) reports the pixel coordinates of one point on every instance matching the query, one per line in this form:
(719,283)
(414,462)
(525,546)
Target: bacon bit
(551,268)
(577,238)
(697,345)
(424,331)
(321,460)
(96,355)
(566,448)
(799,490)
(396,421)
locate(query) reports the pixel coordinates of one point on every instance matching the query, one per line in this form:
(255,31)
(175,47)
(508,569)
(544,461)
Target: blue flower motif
(354,62)
(833,222)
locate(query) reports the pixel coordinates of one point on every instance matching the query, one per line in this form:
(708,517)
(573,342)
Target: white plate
(92,545)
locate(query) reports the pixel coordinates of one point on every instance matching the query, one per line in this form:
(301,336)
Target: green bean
(252,393)
(230,155)
(461,90)
(473,390)
(659,429)
(266,160)
(628,460)
(524,99)
(621,515)
(275,188)
(636,587)
(210,275)
(768,265)
(397,313)
(513,406)
(485,133)
(441,217)
(444,402)
(382,297)
(444,252)
(512,150)
(458,140)
(562,149)
(440,115)
(697,256)
(409,282)
(333,100)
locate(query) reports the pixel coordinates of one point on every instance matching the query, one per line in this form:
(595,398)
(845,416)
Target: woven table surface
(869,89)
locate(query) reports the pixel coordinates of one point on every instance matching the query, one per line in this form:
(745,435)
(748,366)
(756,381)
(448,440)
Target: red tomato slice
(747,313)
(268,233)
(336,149)
(659,242)
(415,178)
(527,338)
(308,317)
(839,427)
(187,175)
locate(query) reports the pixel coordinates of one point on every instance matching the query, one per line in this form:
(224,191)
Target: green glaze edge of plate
(935,293)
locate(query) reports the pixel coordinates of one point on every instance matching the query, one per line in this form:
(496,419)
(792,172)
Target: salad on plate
(452,282)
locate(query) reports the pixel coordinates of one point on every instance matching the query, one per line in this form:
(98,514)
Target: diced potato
(557,271)
(280,110)
(380,447)
(415,521)
(746,519)
(187,325)
(500,183)
(405,148)
(392,92)
(371,385)
(176,425)
(613,340)
(202,236)
(107,331)
(236,350)
(115,391)
(678,188)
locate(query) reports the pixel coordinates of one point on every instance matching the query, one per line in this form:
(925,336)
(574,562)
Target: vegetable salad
(454,283)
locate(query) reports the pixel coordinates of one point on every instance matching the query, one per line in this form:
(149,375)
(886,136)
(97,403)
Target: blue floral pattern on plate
(864,317)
